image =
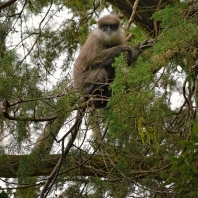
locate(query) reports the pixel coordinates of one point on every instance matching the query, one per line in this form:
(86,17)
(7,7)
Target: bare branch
(6,115)
(4,111)
(133,14)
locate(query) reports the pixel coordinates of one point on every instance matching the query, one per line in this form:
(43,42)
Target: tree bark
(83,165)
(145,10)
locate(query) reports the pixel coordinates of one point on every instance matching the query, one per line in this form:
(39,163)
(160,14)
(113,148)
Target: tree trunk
(144,12)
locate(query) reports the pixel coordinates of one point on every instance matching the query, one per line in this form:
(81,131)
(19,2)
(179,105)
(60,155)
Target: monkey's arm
(107,57)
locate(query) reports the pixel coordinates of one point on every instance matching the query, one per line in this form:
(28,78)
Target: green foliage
(66,102)
(141,125)
(185,167)
(178,35)
(74,191)
(147,133)
(79,7)
(27,165)
(169,13)
(30,192)
(3,194)
(22,132)
(25,168)
(5,161)
(36,6)
(131,82)
(176,46)
(20,82)
(54,43)
(8,80)
(139,36)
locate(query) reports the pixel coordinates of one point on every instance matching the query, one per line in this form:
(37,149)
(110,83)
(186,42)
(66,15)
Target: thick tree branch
(85,165)
(143,13)
(6,4)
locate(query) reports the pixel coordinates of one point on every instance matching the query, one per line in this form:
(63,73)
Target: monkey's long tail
(74,131)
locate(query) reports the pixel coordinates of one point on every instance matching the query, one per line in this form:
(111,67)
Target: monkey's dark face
(109,28)
(109,34)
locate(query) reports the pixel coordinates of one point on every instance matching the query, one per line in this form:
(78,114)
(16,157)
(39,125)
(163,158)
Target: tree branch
(93,166)
(6,4)
(143,13)
(4,111)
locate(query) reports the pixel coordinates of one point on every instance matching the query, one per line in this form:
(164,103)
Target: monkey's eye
(104,27)
(113,27)
(109,27)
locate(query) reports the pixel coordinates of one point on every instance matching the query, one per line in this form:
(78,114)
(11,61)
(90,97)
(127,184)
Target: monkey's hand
(107,56)
(147,44)
(136,50)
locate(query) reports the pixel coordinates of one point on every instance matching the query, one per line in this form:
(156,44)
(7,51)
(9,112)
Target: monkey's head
(111,34)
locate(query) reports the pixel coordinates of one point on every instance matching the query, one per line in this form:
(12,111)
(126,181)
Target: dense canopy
(149,127)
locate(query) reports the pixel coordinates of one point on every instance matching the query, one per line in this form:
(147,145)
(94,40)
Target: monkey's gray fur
(93,71)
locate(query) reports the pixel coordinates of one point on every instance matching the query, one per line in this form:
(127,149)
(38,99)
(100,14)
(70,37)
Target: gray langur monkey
(93,71)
